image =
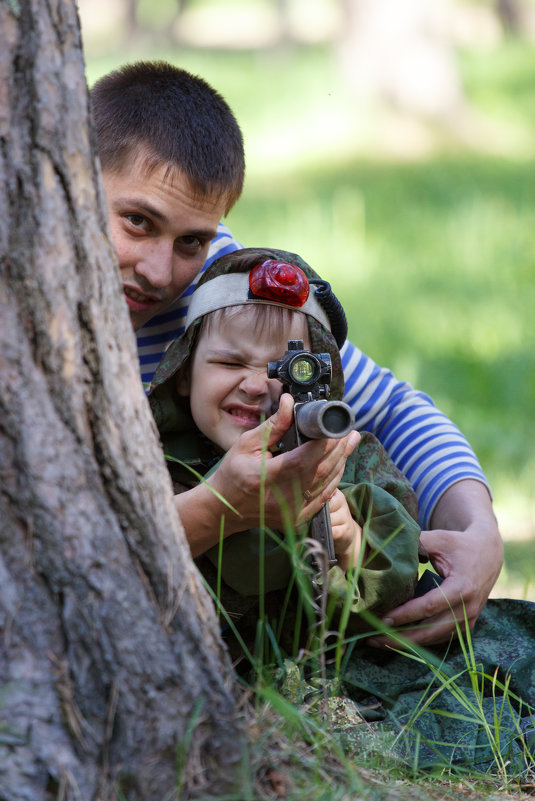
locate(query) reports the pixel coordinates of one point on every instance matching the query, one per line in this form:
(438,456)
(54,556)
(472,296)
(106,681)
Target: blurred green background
(398,160)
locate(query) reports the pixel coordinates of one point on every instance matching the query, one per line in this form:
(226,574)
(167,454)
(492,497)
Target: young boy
(212,389)
(210,392)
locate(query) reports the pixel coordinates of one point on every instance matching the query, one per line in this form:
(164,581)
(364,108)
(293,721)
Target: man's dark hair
(167,116)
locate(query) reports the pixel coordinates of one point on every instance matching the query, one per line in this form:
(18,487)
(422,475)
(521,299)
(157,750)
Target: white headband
(233,290)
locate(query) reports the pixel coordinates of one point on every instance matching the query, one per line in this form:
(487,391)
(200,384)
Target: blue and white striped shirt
(426,446)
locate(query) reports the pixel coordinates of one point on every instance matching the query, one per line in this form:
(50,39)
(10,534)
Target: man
(172,160)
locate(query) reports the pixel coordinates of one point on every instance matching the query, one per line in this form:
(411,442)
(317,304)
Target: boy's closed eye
(227,363)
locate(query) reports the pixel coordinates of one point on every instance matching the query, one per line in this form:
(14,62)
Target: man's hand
(250,468)
(466,549)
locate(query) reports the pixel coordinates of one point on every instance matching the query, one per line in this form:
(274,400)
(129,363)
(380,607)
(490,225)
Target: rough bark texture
(112,672)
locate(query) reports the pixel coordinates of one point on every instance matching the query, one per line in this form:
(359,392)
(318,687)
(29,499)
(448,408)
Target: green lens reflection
(302,370)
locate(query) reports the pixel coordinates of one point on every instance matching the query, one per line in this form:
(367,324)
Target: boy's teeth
(135,295)
(245,414)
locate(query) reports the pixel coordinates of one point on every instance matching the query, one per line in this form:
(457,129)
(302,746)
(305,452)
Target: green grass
(501,84)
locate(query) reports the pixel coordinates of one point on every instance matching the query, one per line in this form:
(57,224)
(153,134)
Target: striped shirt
(426,446)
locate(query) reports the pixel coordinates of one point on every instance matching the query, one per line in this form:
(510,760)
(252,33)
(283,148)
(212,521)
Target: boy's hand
(297,482)
(347,534)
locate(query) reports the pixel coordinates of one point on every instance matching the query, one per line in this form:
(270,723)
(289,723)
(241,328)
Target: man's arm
(465,547)
(454,502)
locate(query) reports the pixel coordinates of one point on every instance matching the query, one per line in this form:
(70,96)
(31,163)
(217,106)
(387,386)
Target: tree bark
(113,679)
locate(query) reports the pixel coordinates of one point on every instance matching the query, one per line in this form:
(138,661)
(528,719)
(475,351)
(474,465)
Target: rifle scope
(307,376)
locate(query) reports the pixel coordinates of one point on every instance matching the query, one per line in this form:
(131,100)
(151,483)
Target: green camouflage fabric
(467,706)
(463,705)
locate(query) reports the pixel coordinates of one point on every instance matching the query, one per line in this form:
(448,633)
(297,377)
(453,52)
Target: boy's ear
(183,380)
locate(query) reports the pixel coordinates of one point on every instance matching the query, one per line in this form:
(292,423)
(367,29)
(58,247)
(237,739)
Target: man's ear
(183,380)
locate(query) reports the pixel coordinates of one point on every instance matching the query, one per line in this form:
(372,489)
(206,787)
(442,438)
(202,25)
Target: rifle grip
(321,531)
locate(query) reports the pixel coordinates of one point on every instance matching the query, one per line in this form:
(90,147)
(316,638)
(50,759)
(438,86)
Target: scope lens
(303,370)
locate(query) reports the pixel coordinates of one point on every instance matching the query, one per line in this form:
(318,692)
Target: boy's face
(227,379)
(161,231)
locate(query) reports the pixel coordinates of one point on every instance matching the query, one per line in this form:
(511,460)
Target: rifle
(306,376)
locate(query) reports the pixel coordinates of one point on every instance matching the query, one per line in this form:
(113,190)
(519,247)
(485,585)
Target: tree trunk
(510,16)
(398,52)
(113,679)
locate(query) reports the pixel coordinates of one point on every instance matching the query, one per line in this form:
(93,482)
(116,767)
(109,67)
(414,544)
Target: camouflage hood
(168,409)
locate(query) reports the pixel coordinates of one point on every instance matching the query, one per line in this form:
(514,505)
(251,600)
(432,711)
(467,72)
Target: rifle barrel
(322,418)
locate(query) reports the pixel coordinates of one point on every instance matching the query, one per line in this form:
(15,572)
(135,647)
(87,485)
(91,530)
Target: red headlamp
(279,281)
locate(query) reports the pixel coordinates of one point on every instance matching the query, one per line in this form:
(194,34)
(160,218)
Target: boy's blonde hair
(264,319)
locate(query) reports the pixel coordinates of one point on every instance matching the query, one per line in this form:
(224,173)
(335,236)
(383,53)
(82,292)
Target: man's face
(161,231)
(227,381)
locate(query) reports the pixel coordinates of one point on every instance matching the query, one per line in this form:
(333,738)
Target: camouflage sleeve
(253,561)
(371,463)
